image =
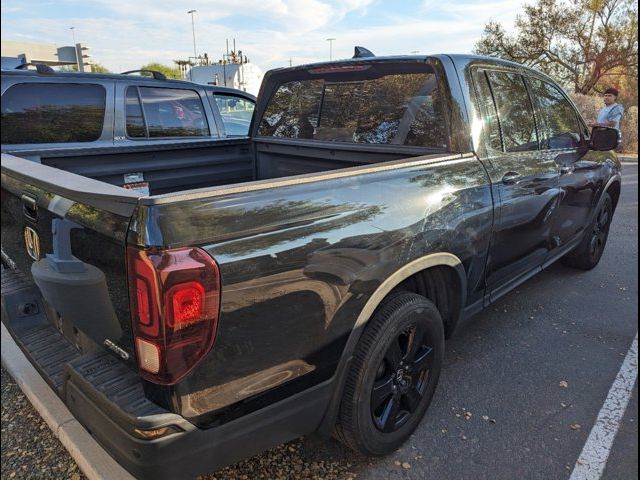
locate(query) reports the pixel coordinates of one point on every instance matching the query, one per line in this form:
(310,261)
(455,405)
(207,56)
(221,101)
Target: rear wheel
(587,255)
(394,374)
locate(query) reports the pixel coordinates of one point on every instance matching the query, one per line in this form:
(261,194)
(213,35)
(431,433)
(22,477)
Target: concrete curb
(92,459)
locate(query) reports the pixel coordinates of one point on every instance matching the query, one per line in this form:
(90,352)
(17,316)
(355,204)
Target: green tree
(99,68)
(95,68)
(580,43)
(169,72)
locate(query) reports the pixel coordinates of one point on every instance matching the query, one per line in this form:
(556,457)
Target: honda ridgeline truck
(309,282)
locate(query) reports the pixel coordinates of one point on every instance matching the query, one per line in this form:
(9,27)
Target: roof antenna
(361,52)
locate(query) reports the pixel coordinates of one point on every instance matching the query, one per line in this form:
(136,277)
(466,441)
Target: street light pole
(193,32)
(330,40)
(73,34)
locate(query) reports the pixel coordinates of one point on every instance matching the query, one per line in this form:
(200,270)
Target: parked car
(92,124)
(310,283)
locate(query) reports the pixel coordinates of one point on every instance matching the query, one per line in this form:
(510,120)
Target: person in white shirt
(611,114)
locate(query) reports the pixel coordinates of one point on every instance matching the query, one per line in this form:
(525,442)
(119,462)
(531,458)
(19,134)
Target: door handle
(511,177)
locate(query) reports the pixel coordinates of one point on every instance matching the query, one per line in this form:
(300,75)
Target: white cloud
(129,34)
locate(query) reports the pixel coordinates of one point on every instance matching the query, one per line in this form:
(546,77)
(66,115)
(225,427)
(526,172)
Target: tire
(588,253)
(400,353)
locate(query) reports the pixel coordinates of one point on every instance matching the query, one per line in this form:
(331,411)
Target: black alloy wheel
(401,379)
(393,375)
(600,231)
(589,252)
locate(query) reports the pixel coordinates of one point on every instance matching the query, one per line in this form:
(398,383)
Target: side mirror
(604,139)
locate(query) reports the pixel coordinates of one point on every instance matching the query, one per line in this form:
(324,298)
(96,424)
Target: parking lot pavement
(522,385)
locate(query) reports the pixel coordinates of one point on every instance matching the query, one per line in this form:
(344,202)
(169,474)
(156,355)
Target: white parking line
(595,453)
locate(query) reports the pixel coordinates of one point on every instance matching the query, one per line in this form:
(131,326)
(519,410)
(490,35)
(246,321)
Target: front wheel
(587,255)
(394,375)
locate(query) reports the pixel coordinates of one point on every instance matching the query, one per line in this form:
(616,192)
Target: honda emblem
(32,242)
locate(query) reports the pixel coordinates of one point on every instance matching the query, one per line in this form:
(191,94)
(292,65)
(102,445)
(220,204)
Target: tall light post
(193,32)
(330,40)
(73,35)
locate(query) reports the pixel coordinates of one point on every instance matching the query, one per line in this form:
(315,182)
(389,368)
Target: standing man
(611,114)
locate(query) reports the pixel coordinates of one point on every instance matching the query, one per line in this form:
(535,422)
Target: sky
(126,34)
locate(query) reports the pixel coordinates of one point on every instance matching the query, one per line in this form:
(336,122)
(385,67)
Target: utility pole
(330,40)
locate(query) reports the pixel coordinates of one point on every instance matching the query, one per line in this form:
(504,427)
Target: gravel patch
(29,448)
(31,451)
(309,458)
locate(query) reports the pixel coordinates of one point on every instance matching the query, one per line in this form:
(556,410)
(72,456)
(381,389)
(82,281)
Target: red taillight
(175,300)
(185,304)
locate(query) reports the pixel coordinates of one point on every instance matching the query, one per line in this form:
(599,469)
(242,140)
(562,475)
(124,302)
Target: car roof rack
(40,67)
(154,73)
(361,52)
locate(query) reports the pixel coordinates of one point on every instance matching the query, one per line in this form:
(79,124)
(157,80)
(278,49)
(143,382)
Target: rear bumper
(107,398)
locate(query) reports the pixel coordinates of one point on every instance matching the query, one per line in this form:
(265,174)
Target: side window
(135,120)
(514,111)
(166,112)
(52,113)
(236,113)
(559,126)
(488,111)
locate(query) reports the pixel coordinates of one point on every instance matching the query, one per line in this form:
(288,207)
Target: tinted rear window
(514,111)
(168,112)
(369,107)
(135,119)
(52,113)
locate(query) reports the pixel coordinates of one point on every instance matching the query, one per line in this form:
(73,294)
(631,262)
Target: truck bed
(171,168)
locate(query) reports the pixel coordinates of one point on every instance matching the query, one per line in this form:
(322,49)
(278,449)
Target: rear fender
(418,265)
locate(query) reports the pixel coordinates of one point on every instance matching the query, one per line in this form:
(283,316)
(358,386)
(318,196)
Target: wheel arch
(613,188)
(395,280)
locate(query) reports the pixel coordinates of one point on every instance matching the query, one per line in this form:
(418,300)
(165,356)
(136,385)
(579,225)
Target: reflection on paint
(435,199)
(221,395)
(476,131)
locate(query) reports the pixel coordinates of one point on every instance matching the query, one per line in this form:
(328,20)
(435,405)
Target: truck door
(563,135)
(524,181)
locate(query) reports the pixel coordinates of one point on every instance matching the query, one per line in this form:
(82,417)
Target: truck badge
(116,349)
(32,242)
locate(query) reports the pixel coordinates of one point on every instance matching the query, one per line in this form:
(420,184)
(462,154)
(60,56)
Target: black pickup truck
(310,285)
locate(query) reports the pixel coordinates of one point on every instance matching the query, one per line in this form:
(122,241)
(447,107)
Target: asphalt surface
(521,387)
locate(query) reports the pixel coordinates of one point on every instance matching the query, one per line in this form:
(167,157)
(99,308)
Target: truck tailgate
(58,222)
